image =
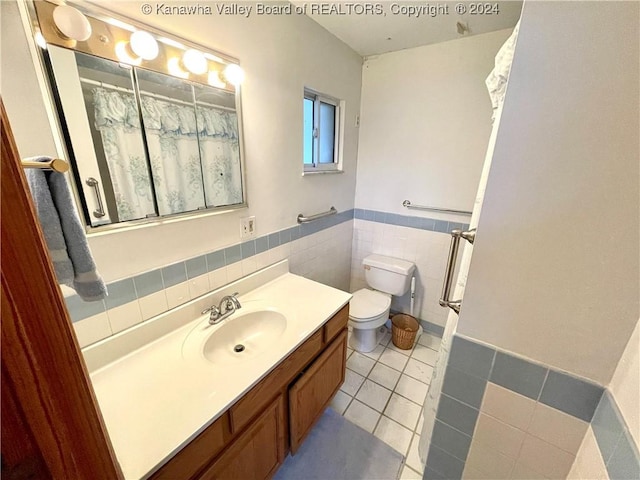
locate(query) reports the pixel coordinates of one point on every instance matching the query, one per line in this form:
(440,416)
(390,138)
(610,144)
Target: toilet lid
(367,303)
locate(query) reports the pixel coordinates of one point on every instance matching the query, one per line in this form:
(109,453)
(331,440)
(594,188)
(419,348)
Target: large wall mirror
(152,130)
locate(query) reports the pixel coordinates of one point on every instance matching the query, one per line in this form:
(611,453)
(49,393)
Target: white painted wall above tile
(437,93)
(555,269)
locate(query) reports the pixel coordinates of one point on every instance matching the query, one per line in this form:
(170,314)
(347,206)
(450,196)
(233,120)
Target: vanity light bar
(100,34)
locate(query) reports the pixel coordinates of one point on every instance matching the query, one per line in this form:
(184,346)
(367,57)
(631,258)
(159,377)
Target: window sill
(321,172)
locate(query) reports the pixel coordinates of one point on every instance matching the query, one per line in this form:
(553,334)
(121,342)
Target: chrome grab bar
(456,235)
(93,183)
(408,204)
(311,218)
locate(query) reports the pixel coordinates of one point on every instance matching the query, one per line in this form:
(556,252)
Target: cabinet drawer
(257,453)
(260,395)
(313,391)
(198,453)
(337,323)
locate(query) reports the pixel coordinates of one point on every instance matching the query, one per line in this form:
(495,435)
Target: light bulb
(71,23)
(173,65)
(194,61)
(234,74)
(144,45)
(214,79)
(125,56)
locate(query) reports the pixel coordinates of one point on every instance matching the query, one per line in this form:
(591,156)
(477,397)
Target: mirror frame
(54,107)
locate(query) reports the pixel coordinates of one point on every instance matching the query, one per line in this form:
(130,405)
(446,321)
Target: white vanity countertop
(155,400)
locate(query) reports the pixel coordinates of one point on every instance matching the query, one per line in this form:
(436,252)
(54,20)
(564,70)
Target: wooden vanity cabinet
(251,439)
(258,452)
(312,392)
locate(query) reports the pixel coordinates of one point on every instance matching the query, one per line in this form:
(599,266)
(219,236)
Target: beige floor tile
(413,459)
(394,359)
(403,411)
(393,434)
(375,353)
(352,382)
(385,376)
(409,474)
(425,354)
(412,389)
(363,416)
(340,402)
(430,341)
(418,370)
(360,364)
(373,395)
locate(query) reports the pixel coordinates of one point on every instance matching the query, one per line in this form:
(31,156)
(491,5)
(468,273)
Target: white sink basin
(242,336)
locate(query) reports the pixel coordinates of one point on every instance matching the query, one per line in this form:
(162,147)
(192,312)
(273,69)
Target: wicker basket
(403,331)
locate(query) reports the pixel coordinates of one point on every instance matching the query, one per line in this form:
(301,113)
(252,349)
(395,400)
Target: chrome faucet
(228,305)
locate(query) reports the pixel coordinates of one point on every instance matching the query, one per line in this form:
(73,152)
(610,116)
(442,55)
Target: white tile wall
(324,257)
(589,464)
(518,438)
(428,250)
(93,329)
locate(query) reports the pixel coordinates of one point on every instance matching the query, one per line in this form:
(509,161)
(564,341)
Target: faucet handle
(212,308)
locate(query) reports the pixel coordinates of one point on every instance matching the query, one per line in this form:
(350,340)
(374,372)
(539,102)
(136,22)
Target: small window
(321,133)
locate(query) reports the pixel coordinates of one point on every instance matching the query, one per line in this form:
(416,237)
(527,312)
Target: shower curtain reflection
(116,118)
(172,142)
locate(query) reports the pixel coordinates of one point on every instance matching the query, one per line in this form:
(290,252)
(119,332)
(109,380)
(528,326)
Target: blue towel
(64,234)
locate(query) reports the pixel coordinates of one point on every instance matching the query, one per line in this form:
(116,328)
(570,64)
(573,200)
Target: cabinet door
(257,453)
(312,392)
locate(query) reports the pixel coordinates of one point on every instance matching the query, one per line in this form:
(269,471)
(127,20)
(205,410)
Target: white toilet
(369,309)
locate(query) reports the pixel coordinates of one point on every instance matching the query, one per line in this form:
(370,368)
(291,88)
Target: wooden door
(258,452)
(313,391)
(51,425)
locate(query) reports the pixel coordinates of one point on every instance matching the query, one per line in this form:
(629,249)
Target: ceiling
(393,29)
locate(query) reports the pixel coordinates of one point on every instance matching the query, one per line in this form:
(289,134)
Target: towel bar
(311,218)
(56,164)
(408,204)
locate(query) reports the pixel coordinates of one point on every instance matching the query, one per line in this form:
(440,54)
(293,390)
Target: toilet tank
(388,274)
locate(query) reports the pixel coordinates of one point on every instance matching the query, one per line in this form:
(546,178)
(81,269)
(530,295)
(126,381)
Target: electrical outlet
(248,227)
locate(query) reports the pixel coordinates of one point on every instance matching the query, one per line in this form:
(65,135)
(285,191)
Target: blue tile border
(614,440)
(518,375)
(147,283)
(607,426)
(571,395)
(471,365)
(421,223)
(451,440)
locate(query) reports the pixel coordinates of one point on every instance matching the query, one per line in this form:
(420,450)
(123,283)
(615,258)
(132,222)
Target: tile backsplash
(320,250)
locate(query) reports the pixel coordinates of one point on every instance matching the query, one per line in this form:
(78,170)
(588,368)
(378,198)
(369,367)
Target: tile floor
(383,393)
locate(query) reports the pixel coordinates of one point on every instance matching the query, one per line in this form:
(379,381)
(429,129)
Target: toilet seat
(366,305)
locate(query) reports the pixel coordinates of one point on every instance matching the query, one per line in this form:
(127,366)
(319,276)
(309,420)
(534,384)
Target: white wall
(280,55)
(18,83)
(555,269)
(426,122)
